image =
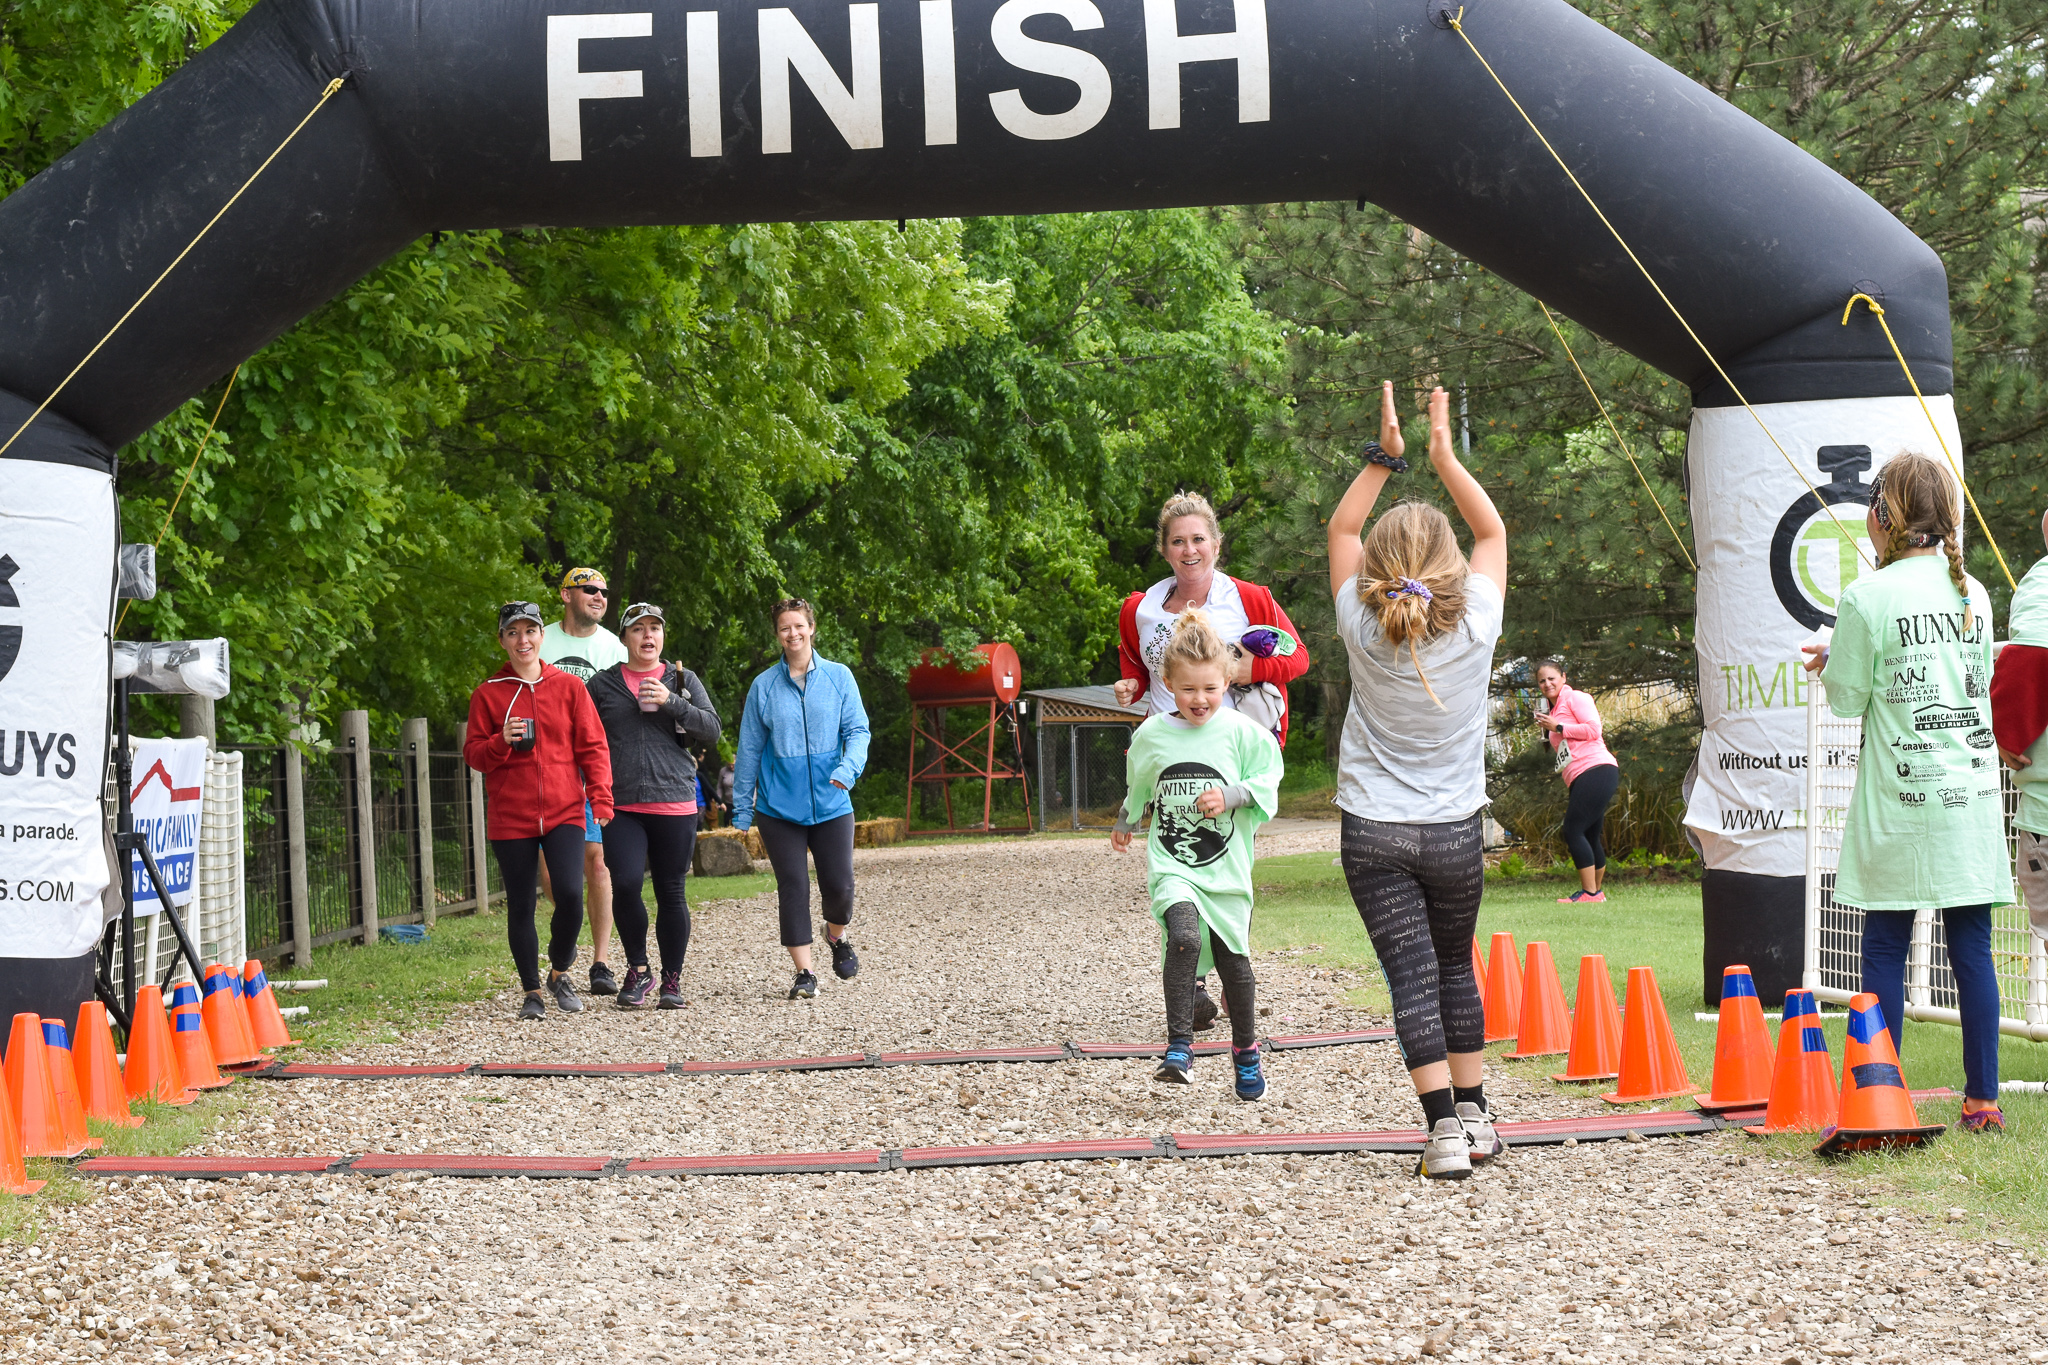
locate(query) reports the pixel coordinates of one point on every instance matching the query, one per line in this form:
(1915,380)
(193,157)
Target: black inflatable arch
(508,113)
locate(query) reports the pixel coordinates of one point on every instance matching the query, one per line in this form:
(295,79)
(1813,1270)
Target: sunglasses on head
(593,591)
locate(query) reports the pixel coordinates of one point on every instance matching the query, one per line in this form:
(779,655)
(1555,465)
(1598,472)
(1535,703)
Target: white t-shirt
(582,657)
(1404,759)
(1155,627)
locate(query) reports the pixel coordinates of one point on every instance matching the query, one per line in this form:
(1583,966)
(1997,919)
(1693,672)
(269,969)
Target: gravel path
(1688,1250)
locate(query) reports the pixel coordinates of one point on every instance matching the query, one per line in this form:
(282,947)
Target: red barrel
(991,671)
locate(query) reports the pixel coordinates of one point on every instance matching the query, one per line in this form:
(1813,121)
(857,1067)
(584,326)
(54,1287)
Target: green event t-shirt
(1925,826)
(584,658)
(2027,624)
(1189,856)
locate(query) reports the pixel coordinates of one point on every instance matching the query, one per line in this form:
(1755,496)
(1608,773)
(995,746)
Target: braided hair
(1917,506)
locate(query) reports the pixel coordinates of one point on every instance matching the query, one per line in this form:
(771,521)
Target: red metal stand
(972,757)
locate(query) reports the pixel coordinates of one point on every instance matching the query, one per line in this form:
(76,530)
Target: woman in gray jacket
(654,714)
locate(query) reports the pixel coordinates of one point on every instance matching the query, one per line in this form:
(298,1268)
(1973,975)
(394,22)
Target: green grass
(2000,1183)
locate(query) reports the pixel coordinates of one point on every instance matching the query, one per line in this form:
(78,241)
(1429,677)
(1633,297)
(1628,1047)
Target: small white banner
(57,546)
(1774,558)
(168,791)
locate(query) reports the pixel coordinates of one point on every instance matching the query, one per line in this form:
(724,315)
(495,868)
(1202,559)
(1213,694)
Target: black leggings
(1585,814)
(634,841)
(1184,929)
(1417,889)
(519,863)
(831,845)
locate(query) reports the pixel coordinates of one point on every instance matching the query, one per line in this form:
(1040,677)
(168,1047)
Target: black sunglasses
(589,591)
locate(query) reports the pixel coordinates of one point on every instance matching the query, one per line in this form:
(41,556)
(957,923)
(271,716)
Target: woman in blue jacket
(803,743)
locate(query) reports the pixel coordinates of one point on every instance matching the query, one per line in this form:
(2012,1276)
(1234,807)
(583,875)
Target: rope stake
(1619,438)
(1877,311)
(1458,26)
(321,103)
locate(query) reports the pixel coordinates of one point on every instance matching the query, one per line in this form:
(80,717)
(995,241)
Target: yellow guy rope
(325,95)
(186,483)
(1623,441)
(1877,310)
(1458,26)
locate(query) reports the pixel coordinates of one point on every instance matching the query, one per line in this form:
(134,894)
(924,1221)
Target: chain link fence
(1081,774)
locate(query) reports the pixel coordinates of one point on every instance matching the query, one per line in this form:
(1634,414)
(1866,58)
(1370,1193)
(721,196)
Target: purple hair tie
(1410,588)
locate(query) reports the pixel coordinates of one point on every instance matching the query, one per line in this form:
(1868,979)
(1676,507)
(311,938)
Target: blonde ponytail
(1194,641)
(1412,575)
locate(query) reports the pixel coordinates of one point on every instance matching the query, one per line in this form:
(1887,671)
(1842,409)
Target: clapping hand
(1390,422)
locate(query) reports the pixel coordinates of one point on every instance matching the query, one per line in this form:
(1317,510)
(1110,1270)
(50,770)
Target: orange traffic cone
(30,1091)
(266,1022)
(188,1034)
(153,1069)
(13,1168)
(227,1028)
(1803,1096)
(1503,994)
(64,1080)
(1876,1108)
(1596,1026)
(100,1090)
(1546,1028)
(1479,967)
(1742,1047)
(1651,1068)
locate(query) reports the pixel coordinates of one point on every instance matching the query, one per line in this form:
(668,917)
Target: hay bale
(722,853)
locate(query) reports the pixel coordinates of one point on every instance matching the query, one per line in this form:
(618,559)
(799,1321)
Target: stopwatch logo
(10,636)
(1815,550)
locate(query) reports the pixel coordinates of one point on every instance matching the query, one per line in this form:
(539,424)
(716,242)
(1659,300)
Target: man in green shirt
(579,645)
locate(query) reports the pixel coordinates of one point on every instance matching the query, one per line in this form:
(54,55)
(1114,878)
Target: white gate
(1834,933)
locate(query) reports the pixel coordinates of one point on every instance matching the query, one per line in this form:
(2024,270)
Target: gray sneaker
(564,991)
(1448,1153)
(1478,1126)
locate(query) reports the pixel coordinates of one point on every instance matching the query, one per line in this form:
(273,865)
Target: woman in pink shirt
(1571,727)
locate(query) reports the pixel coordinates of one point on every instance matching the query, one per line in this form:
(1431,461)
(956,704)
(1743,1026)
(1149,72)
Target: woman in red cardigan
(1268,653)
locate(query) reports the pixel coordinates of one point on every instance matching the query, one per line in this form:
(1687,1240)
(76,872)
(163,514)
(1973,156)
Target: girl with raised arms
(1419,623)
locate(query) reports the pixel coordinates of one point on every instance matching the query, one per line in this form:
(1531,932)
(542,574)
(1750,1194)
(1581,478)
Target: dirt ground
(1681,1249)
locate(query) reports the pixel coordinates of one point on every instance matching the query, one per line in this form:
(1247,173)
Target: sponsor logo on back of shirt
(1938,716)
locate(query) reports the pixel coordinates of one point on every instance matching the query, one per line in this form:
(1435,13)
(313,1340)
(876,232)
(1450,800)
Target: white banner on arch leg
(1773,560)
(58,536)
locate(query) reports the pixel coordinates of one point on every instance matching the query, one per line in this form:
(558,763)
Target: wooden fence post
(479,841)
(415,737)
(295,851)
(355,734)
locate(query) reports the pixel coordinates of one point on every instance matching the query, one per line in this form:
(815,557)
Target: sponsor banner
(1774,556)
(57,545)
(169,786)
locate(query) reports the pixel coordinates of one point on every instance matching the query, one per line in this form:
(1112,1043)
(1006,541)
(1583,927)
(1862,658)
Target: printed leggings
(1585,814)
(830,845)
(1417,889)
(519,863)
(634,842)
(1184,929)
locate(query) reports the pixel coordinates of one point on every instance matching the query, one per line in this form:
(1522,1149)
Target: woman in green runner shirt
(1210,777)
(1911,655)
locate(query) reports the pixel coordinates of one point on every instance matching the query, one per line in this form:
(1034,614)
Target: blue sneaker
(1251,1077)
(1177,1063)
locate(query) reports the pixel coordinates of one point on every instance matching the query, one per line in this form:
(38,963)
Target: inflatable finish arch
(507,113)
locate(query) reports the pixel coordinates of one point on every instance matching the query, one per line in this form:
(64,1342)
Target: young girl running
(1210,777)
(1419,623)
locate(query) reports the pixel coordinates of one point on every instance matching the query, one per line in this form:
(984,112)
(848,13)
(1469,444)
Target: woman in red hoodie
(535,736)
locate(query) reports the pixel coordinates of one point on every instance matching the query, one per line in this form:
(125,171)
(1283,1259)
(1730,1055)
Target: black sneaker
(671,992)
(1205,1008)
(564,991)
(633,992)
(806,987)
(845,962)
(535,1007)
(602,982)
